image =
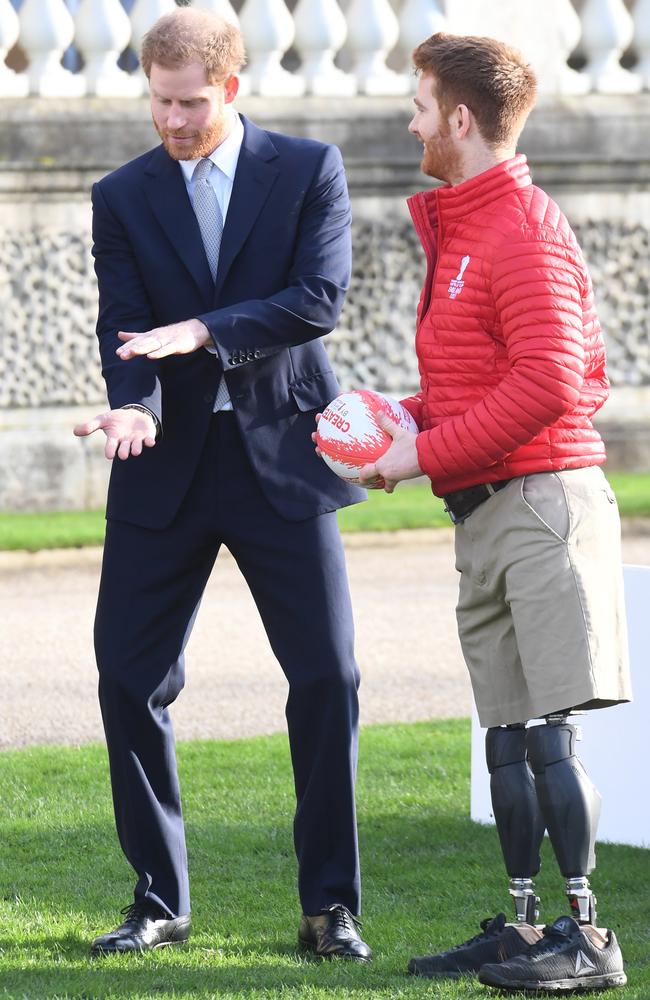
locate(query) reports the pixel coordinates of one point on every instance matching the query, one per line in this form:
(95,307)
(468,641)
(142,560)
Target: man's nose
(176,117)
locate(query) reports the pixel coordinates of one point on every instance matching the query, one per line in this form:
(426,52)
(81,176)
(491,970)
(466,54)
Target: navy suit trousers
(151,586)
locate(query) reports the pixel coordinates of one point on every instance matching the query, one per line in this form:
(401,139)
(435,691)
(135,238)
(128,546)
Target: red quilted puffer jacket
(510,350)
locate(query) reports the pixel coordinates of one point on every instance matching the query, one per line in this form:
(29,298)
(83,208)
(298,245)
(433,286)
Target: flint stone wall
(593,155)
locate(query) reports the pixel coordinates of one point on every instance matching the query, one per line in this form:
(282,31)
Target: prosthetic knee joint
(517,814)
(570,805)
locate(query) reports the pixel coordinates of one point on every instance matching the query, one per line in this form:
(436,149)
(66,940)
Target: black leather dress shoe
(333,933)
(145,927)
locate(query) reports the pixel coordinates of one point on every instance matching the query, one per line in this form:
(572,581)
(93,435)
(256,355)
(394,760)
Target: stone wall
(593,155)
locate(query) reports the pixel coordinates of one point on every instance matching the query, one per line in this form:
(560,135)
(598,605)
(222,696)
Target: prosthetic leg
(572,953)
(517,815)
(570,805)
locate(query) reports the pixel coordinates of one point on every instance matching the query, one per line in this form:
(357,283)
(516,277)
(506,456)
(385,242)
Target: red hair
(489,77)
(190,34)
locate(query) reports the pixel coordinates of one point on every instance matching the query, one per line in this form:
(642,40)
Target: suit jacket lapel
(167,194)
(254,178)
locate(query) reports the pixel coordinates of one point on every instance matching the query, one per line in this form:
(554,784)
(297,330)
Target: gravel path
(403,589)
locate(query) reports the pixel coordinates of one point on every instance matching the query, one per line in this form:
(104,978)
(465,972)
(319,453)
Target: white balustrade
(268,31)
(321,31)
(11,84)
(373,30)
(46,31)
(641,21)
(368,32)
(607,30)
(569,33)
(418,20)
(102,32)
(221,7)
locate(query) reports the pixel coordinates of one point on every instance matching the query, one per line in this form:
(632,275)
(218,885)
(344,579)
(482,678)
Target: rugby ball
(348,435)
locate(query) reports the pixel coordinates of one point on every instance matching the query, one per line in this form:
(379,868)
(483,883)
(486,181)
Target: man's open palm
(127,431)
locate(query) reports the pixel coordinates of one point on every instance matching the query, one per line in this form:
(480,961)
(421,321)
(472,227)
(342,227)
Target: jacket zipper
(422,229)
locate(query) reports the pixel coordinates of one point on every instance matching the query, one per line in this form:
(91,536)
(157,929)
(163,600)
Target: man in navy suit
(222,258)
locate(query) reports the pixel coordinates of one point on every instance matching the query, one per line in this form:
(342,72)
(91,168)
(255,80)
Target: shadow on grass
(245,922)
(428,880)
(429,875)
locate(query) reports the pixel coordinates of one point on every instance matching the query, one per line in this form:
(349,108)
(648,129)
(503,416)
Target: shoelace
(552,940)
(485,933)
(134,911)
(344,920)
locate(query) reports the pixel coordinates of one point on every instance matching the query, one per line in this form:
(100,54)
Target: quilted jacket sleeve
(414,405)
(538,282)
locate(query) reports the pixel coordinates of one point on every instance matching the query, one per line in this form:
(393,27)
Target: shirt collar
(226,154)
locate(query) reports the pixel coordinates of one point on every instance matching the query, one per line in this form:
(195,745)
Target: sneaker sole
(455,974)
(557,985)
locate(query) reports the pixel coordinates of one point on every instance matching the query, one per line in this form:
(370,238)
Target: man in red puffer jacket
(512,369)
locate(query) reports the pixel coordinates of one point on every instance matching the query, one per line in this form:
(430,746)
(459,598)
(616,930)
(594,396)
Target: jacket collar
(440,205)
(167,194)
(449,202)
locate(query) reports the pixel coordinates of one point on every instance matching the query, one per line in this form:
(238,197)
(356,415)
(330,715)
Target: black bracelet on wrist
(144,409)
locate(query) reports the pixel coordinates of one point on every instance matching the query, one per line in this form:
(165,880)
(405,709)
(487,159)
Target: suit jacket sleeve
(123,305)
(309,306)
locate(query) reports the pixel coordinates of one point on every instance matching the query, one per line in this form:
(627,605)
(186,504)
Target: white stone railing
(340,49)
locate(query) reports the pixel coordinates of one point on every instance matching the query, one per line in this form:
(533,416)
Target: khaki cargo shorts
(541,614)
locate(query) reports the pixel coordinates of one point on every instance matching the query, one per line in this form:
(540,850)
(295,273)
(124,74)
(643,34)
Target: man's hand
(179,338)
(313,436)
(127,432)
(398,463)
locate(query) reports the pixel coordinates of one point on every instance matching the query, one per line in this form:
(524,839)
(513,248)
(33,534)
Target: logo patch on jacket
(457,284)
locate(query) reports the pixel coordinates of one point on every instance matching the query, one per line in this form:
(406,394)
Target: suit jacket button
(250,356)
(257,354)
(231,361)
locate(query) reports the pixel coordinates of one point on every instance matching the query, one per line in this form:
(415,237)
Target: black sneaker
(496,942)
(569,957)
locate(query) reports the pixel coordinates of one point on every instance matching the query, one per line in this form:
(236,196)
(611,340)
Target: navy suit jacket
(284,268)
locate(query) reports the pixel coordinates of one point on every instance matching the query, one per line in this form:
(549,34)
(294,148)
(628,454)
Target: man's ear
(462,121)
(230,88)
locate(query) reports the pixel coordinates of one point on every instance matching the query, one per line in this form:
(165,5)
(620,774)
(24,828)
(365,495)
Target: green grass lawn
(411,506)
(430,875)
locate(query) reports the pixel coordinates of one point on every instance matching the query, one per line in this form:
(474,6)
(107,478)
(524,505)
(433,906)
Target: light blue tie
(210,220)
(208,213)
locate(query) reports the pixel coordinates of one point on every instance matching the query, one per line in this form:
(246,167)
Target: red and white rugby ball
(349,436)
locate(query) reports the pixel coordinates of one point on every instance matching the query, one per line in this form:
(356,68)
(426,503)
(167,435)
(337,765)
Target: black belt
(460,504)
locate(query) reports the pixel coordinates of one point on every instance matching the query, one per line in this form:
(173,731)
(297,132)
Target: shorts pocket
(543,494)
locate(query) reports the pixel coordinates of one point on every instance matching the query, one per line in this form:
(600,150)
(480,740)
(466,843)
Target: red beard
(440,159)
(205,142)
